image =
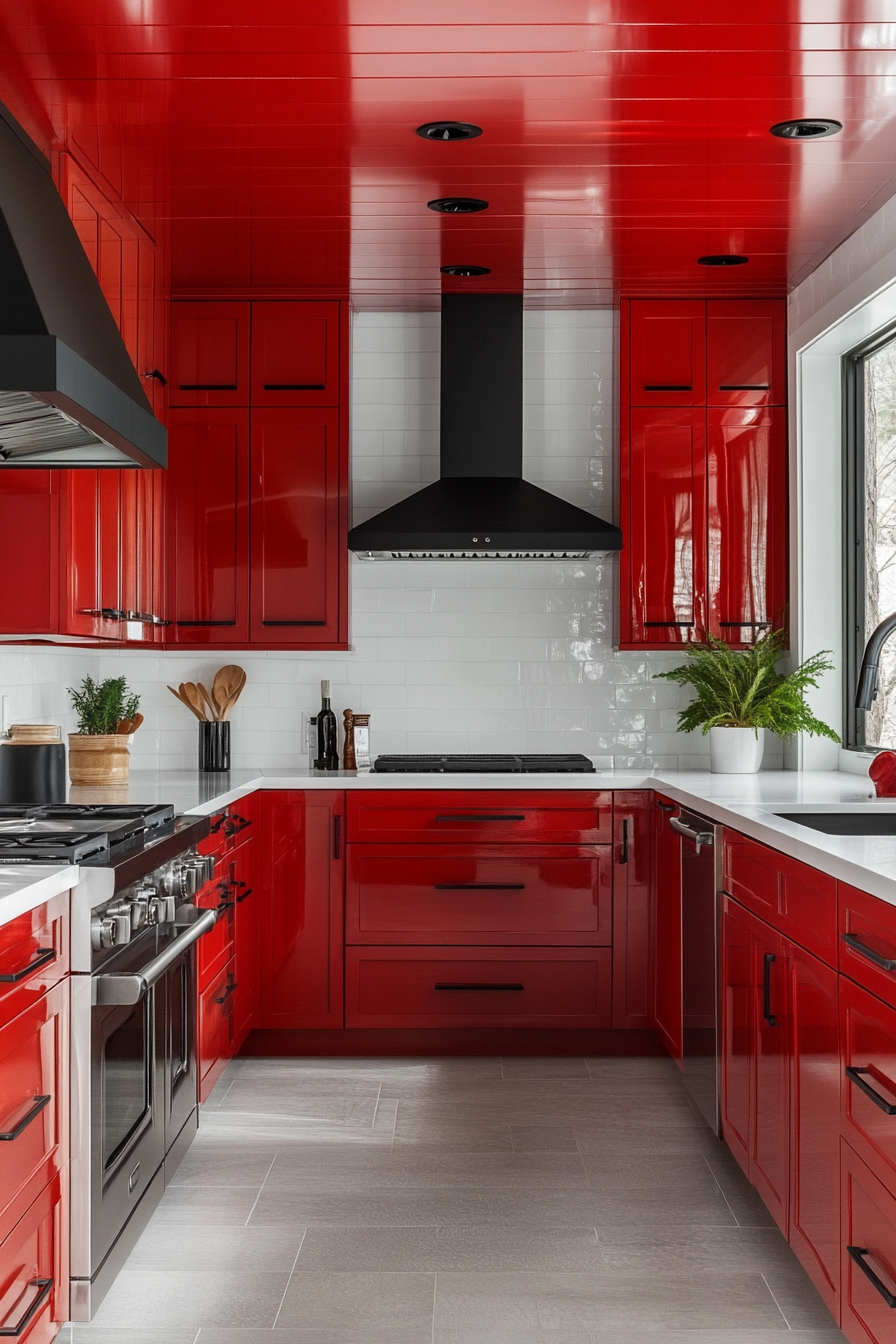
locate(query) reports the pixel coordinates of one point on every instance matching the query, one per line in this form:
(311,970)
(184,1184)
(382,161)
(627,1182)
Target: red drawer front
(33,955)
(868,1225)
(867,941)
(33,1101)
(486,816)
(425,893)
(799,901)
(216,1028)
(215,948)
(34,1268)
(429,987)
(868,1047)
(230,828)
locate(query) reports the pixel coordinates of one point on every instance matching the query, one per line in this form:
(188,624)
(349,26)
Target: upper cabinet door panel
(295,526)
(208,522)
(209,354)
(668,352)
(295,354)
(746,352)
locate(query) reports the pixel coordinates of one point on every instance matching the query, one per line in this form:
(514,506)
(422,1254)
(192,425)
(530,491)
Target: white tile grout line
(776,1302)
(289,1280)
(260,1188)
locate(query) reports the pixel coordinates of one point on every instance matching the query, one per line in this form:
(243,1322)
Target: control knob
(102,933)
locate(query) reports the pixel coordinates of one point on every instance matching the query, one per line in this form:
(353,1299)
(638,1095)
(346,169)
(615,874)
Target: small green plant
(743,690)
(101,707)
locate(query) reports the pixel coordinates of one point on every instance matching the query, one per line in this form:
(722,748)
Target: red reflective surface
(621,142)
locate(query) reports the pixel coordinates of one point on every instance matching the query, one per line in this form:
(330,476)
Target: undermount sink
(844,823)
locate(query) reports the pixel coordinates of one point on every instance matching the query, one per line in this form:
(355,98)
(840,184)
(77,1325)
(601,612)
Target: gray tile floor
(458,1201)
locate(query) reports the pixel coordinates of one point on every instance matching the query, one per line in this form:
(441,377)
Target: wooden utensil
(190,692)
(184,701)
(220,690)
(207,701)
(128,726)
(237,687)
(232,678)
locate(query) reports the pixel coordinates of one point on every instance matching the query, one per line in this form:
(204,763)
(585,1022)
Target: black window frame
(853,404)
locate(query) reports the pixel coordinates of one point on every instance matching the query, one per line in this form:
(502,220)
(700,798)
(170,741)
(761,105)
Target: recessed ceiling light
(457,205)
(449,130)
(466,270)
(726,259)
(806,128)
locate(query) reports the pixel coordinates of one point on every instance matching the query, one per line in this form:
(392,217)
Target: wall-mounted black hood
(482,509)
(69,394)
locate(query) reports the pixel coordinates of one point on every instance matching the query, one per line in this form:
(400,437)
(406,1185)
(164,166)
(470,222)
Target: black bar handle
(480,886)
(158,375)
(216,825)
(668,387)
(246,893)
(293,622)
(44,956)
(743,387)
(767,989)
(492,989)
(459,816)
(39,1104)
(205,622)
(623,855)
(337,837)
(854,1076)
(231,986)
(885,963)
(45,1288)
(857,1255)
(207,387)
(745,625)
(294,387)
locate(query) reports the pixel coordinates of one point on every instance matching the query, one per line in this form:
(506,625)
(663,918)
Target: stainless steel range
(133,985)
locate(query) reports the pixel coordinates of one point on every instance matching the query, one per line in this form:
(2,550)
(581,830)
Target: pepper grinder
(348,749)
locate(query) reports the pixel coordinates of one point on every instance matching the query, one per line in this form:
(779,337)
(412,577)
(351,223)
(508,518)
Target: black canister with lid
(32,773)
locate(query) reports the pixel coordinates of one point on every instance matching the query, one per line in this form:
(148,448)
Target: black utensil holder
(214,746)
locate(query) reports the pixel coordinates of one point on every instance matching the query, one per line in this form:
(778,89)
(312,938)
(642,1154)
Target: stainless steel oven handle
(125,989)
(700,838)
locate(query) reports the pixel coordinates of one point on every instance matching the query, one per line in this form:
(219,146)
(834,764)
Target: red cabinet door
(868,1253)
(298,548)
(302,869)
(209,354)
(738,1025)
(667,924)
(247,907)
(216,1037)
(746,352)
(480,816)
(632,963)
(90,604)
(668,352)
(746,453)
(868,1042)
(667,526)
(29,525)
(295,354)
(815,1125)
(208,527)
(34,1268)
(770,1147)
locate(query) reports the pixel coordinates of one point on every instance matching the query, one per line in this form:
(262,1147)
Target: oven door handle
(126,989)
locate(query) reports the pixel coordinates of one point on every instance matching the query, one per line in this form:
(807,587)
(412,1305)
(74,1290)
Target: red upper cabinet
(297,541)
(209,354)
(295,354)
(90,578)
(208,527)
(667,352)
(29,525)
(746,454)
(666,527)
(746,352)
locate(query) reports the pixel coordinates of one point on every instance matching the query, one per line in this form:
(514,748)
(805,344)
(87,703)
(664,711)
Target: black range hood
(69,394)
(481,508)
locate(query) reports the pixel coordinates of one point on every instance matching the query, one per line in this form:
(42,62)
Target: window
(870,530)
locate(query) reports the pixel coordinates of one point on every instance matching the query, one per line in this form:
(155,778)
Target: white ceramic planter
(736,751)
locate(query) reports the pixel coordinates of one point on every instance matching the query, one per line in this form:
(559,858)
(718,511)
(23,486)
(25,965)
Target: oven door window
(126,1074)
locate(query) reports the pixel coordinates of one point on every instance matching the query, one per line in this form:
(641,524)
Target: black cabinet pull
(293,622)
(205,622)
(459,816)
(246,893)
(854,1076)
(743,387)
(218,823)
(44,956)
(885,963)
(857,1255)
(480,886)
(207,387)
(623,856)
(491,989)
(45,1288)
(231,986)
(39,1104)
(668,387)
(294,387)
(745,625)
(337,837)
(158,375)
(767,989)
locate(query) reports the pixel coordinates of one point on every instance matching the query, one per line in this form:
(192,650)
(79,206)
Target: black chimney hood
(482,509)
(69,394)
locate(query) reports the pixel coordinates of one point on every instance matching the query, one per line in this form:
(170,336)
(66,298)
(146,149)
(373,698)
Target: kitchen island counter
(23,887)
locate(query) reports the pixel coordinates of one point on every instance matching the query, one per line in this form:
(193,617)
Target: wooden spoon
(232,678)
(191,696)
(184,701)
(221,689)
(124,728)
(234,694)
(207,701)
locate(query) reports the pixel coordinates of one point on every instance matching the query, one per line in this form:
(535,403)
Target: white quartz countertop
(25,886)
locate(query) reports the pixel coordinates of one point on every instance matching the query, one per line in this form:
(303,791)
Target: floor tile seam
(289,1280)
(725,1197)
(260,1188)
(776,1302)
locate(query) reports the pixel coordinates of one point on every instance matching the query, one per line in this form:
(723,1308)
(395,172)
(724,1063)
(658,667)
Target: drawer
(216,1028)
(34,1084)
(490,894)
(867,943)
(215,948)
(799,901)
(868,1251)
(230,827)
(868,1095)
(34,955)
(34,1268)
(477,987)
(488,816)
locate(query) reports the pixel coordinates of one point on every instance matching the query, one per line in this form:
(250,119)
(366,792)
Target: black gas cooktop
(74,831)
(484,765)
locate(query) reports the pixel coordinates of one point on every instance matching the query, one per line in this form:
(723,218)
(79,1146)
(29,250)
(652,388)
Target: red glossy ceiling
(622,138)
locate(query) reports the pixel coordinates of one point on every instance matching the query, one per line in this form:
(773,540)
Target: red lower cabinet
(217,1028)
(34,1268)
(632,960)
(868,1264)
(247,906)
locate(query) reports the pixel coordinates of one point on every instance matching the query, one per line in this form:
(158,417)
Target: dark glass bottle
(327,751)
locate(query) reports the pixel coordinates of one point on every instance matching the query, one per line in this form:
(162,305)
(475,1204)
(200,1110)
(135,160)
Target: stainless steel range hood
(481,508)
(69,394)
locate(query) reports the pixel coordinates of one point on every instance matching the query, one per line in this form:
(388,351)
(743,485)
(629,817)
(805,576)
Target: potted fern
(107,715)
(741,694)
